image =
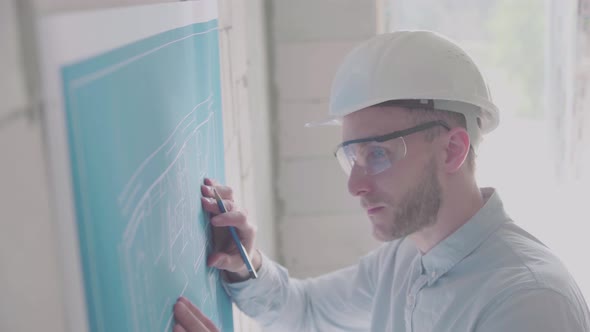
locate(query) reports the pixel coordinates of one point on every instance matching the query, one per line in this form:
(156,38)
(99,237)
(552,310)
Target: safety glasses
(378,153)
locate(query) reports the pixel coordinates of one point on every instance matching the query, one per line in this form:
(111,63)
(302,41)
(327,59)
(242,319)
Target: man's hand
(190,319)
(227,256)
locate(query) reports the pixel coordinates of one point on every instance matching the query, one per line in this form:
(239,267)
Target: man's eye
(376,154)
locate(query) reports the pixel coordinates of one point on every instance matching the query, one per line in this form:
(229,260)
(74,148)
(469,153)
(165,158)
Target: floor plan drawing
(144,126)
(165,225)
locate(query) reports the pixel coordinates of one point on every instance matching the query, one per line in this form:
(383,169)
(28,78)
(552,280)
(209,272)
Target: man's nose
(358,181)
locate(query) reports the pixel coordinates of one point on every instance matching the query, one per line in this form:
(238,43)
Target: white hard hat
(413,65)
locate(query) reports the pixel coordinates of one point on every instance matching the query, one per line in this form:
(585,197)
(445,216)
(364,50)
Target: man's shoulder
(515,259)
(512,265)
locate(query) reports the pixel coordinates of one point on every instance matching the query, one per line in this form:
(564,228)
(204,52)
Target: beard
(419,207)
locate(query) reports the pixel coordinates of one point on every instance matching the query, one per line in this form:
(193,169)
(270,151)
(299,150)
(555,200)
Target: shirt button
(411,301)
(433,275)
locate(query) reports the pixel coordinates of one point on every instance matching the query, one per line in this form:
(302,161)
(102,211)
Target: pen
(236,238)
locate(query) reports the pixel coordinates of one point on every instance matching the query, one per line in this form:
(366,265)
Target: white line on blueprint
(181,294)
(147,160)
(163,312)
(177,235)
(188,124)
(183,247)
(131,228)
(159,256)
(185,284)
(201,255)
(154,203)
(168,152)
(168,323)
(133,193)
(96,75)
(204,302)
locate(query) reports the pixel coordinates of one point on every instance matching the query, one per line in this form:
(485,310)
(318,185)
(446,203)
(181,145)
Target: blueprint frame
(143,120)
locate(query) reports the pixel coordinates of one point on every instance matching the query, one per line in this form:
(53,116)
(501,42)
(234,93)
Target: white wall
(31,298)
(28,268)
(246,120)
(321,227)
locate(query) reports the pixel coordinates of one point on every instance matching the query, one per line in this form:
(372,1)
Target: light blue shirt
(489,275)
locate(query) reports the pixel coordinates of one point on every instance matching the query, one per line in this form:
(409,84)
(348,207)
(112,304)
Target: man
(413,107)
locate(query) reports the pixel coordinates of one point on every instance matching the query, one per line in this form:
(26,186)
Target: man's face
(405,197)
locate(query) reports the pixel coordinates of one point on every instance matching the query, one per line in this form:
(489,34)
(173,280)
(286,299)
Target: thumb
(223,261)
(217,260)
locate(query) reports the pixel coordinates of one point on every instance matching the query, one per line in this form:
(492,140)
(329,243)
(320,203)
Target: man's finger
(210,205)
(225,192)
(187,320)
(237,219)
(210,182)
(178,328)
(226,262)
(197,313)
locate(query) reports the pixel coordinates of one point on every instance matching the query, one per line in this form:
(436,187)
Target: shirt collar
(445,255)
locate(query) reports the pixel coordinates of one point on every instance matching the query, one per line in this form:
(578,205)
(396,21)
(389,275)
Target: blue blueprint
(144,128)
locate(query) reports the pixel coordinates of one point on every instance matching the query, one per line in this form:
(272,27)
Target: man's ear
(457,148)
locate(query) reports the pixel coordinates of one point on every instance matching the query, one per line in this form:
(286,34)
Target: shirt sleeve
(339,301)
(539,310)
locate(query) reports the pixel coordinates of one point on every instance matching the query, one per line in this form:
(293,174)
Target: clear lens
(346,160)
(372,157)
(375,158)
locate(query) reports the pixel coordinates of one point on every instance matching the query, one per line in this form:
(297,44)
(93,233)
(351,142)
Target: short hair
(419,115)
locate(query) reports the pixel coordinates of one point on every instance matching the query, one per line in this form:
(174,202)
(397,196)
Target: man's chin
(383,233)
(382,236)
